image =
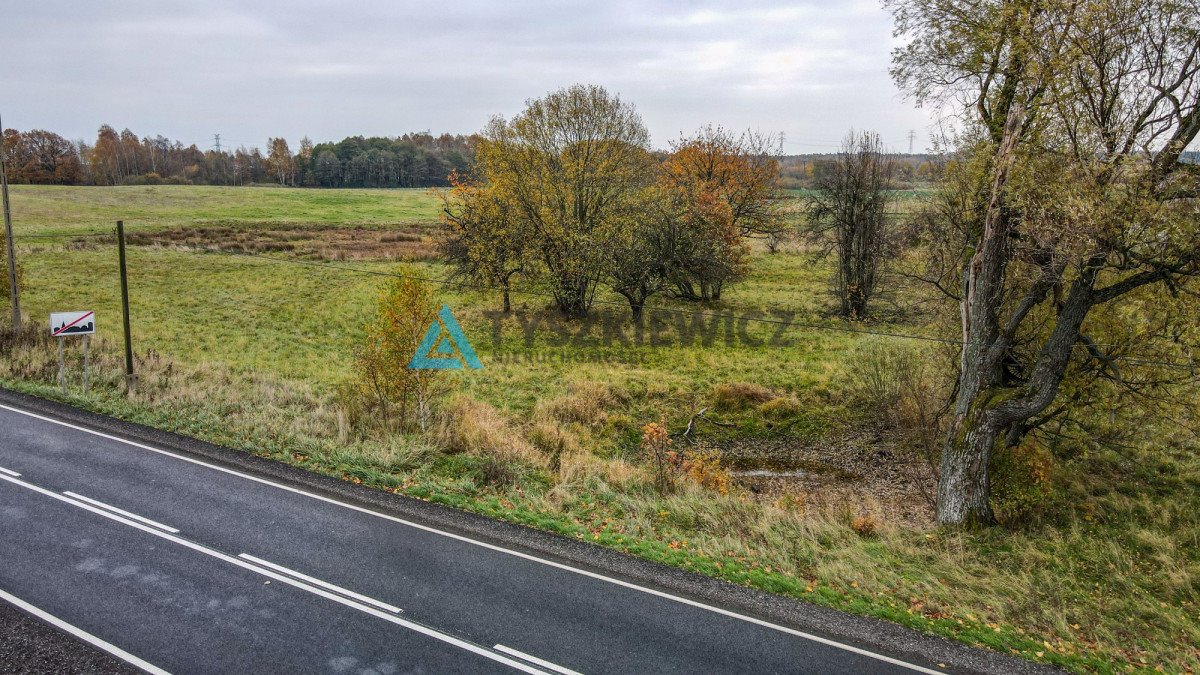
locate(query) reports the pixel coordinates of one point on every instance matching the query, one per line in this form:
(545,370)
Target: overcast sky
(249,70)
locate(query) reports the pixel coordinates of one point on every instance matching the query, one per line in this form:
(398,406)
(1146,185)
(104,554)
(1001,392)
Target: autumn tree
(681,240)
(280,162)
(104,161)
(848,213)
(638,264)
(570,169)
(401,394)
(1068,199)
(485,240)
(304,161)
(741,169)
(42,157)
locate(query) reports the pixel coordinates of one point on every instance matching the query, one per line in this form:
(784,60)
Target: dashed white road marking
(366,609)
(133,516)
(536,661)
(323,584)
(519,554)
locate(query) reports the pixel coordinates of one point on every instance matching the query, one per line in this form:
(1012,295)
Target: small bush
(865,526)
(781,408)
(1022,482)
(740,395)
(656,443)
(876,372)
(703,467)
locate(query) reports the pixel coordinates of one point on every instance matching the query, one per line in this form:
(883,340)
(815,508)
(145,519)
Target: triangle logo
(444,346)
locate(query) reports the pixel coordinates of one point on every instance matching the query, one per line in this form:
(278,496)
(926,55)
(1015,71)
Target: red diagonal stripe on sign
(60,330)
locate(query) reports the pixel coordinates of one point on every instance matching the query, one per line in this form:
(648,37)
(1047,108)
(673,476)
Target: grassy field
(248,350)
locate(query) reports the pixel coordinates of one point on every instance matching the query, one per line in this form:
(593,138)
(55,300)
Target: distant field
(53,209)
(296,319)
(246,346)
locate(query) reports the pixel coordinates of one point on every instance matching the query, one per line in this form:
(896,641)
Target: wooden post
(130,377)
(13,291)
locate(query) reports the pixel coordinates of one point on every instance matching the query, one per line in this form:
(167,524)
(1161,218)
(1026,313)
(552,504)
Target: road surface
(174,563)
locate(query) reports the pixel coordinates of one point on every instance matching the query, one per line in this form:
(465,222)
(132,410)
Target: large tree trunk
(573,298)
(964,484)
(964,489)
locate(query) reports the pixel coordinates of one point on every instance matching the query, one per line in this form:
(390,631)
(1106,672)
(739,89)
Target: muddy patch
(859,474)
(321,242)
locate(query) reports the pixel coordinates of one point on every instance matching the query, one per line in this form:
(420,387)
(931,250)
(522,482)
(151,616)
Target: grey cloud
(326,69)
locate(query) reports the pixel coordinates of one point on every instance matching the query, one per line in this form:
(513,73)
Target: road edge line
(81,634)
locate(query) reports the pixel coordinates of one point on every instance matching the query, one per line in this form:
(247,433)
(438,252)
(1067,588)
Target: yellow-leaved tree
(399,394)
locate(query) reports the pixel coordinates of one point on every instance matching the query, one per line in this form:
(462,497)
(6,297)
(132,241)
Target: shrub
(900,387)
(876,372)
(739,395)
(657,444)
(781,408)
(865,526)
(405,311)
(1022,481)
(703,467)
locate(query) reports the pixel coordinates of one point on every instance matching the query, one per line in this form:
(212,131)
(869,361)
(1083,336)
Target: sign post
(62,371)
(85,365)
(63,324)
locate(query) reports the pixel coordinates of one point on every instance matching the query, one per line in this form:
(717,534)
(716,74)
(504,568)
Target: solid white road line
(134,516)
(536,661)
(8,472)
(492,547)
(82,634)
(367,609)
(322,584)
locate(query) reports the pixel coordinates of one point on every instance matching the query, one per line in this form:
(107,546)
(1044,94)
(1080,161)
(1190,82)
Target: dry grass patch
(741,395)
(403,241)
(477,428)
(588,403)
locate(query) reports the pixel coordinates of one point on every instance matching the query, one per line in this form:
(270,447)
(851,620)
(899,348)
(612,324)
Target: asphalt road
(178,564)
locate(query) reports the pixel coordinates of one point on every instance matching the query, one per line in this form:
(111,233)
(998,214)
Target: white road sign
(72,323)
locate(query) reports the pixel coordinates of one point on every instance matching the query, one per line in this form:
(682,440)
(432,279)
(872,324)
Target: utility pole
(911,136)
(130,378)
(217,139)
(8,238)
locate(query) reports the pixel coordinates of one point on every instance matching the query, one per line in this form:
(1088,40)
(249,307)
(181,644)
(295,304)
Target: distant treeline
(806,171)
(411,160)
